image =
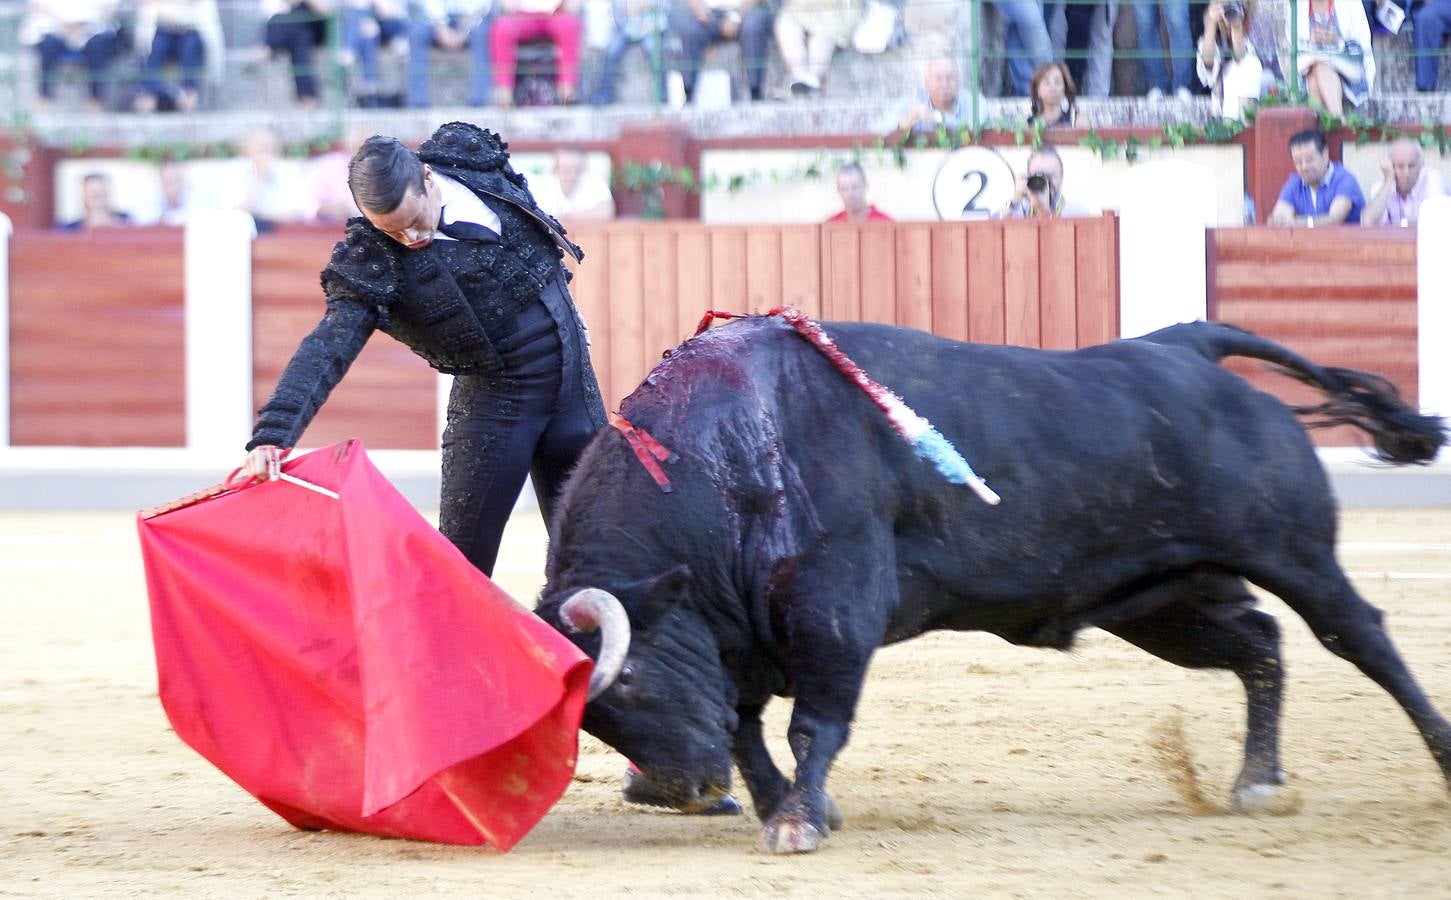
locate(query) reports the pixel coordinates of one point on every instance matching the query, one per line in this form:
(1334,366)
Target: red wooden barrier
(642,288)
(1341,296)
(96,338)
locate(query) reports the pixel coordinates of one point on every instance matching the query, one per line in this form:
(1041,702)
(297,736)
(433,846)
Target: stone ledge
(766,120)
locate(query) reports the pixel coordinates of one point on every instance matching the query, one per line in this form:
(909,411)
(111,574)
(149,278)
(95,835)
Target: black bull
(1141,485)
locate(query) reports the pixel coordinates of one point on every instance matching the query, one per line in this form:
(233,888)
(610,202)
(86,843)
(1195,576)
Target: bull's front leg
(817,734)
(763,779)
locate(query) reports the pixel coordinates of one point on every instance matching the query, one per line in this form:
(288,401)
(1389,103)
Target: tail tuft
(1371,403)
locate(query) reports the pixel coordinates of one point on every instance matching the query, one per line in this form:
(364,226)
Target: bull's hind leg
(1354,630)
(1214,625)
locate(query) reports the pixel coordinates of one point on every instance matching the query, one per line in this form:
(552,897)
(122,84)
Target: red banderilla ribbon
(648,451)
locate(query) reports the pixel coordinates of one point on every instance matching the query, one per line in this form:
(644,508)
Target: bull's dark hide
(1141,485)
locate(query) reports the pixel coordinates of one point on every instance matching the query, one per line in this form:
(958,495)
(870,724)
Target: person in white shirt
(184,32)
(572,191)
(72,31)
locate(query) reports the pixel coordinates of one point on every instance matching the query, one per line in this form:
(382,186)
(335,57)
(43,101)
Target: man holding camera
(1040,191)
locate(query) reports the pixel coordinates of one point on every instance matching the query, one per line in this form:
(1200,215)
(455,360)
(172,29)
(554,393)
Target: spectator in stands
(274,190)
(450,25)
(697,24)
(572,191)
(1406,182)
(173,201)
(97,211)
(1175,15)
(72,31)
(1072,31)
(1228,62)
(637,23)
(940,103)
(1040,190)
(1319,192)
(298,28)
(327,180)
(851,184)
(1054,98)
(1335,57)
(808,33)
(367,27)
(1026,38)
(176,31)
(1432,23)
(520,21)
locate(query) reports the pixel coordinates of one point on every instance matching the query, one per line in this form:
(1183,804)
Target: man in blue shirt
(1320,192)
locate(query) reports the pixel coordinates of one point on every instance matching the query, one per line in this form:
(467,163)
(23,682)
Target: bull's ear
(653,598)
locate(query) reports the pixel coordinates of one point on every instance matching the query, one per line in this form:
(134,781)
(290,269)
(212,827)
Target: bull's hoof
(1253,798)
(789,834)
(1264,799)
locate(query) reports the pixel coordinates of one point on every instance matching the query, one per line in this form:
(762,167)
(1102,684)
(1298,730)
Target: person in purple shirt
(1320,192)
(1406,181)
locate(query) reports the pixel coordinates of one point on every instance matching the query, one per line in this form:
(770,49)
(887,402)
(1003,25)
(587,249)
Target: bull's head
(659,693)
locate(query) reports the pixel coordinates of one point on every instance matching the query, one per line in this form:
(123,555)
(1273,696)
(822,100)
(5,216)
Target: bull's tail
(1360,399)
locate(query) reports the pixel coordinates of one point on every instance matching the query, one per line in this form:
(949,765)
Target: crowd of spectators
(1232,53)
(278,190)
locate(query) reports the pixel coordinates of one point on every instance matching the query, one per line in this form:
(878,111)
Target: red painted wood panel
(627,309)
(914,276)
(97,338)
(1097,277)
(877,247)
(986,284)
(949,286)
(1340,296)
(1058,298)
(1021,283)
(801,268)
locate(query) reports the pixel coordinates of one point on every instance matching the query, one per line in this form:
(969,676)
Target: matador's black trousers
(534,419)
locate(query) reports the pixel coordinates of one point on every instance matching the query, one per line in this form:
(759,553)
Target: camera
(1038,183)
(1233,11)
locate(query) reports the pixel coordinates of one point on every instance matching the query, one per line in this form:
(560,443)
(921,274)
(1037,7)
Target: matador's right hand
(264,463)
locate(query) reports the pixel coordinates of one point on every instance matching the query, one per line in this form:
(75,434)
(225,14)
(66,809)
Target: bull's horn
(593,608)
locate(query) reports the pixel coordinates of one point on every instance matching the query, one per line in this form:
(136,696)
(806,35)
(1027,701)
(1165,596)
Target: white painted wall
(779,191)
(1162,277)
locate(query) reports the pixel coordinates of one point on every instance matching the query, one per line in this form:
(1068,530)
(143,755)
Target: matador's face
(413,222)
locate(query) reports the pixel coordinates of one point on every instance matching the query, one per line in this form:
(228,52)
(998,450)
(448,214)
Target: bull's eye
(626,676)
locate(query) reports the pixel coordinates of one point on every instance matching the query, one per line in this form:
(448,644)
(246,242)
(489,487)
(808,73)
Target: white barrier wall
(6,229)
(1162,277)
(1433,306)
(218,309)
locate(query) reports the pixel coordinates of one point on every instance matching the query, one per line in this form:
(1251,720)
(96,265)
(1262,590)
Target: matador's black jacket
(483,311)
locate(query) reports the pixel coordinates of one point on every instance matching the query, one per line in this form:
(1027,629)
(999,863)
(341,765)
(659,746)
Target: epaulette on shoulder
(466,146)
(365,263)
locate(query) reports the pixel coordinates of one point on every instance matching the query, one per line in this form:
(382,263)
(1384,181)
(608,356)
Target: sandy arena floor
(976,768)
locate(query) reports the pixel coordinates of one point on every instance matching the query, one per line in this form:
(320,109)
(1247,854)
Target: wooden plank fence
(642,288)
(96,338)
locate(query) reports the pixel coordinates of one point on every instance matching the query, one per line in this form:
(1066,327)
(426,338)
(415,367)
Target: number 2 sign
(972,183)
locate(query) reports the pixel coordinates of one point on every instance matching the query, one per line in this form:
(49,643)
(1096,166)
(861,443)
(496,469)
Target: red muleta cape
(349,668)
